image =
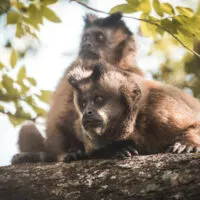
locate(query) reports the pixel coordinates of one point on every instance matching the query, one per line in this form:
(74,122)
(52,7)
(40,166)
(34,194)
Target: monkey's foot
(125,149)
(183,148)
(73,156)
(25,157)
(29,157)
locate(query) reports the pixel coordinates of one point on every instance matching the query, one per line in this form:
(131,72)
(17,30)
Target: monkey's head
(103,101)
(106,38)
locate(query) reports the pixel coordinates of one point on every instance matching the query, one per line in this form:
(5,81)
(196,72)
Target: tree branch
(152,22)
(162,176)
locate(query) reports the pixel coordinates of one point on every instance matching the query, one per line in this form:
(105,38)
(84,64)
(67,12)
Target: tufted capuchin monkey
(104,39)
(132,115)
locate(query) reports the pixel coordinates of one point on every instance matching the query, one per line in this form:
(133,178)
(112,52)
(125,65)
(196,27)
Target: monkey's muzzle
(91,122)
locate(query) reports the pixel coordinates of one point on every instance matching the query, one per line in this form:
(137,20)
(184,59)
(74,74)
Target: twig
(144,20)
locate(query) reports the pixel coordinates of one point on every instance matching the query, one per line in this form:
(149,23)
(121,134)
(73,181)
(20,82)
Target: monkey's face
(103,38)
(98,110)
(94,42)
(104,100)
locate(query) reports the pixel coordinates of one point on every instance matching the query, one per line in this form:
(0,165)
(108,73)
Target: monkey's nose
(87,45)
(89,112)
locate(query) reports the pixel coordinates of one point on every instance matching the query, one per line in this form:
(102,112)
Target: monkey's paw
(183,148)
(125,150)
(73,156)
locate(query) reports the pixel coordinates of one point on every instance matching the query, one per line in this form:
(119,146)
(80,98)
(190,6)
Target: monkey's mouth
(88,53)
(92,124)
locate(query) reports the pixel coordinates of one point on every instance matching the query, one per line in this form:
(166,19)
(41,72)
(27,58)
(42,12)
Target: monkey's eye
(85,37)
(99,100)
(83,103)
(100,37)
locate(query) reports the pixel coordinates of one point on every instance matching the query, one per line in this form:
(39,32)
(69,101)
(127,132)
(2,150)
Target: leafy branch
(152,22)
(18,116)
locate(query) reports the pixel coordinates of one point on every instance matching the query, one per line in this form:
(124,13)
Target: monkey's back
(168,114)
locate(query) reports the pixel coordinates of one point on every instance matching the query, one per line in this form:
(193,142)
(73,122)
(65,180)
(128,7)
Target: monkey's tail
(32,146)
(30,139)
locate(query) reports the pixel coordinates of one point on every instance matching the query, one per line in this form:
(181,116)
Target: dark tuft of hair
(89,19)
(113,20)
(98,71)
(72,81)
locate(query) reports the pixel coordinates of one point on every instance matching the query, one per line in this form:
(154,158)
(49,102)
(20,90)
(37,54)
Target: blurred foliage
(16,87)
(183,23)
(179,21)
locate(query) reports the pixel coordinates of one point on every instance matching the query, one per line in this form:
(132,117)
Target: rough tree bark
(163,176)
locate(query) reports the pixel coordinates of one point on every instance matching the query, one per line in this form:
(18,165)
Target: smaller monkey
(117,107)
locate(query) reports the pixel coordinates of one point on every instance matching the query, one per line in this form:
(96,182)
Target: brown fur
(30,139)
(153,115)
(118,49)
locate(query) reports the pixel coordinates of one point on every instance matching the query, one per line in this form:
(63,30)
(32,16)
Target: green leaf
(19,31)
(24,88)
(124,8)
(35,15)
(147,29)
(33,34)
(31,22)
(144,6)
(167,8)
(49,2)
(21,75)
(12,17)
(7,83)
(21,113)
(50,15)
(171,25)
(187,40)
(15,121)
(32,81)
(185,11)
(157,7)
(13,58)
(1,65)
(40,111)
(133,3)
(45,95)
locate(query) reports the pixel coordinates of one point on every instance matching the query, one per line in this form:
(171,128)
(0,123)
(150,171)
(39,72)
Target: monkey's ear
(131,95)
(98,71)
(73,82)
(113,19)
(89,19)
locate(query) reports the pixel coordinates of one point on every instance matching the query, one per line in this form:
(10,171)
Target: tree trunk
(162,176)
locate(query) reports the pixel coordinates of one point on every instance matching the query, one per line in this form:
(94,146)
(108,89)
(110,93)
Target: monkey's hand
(183,148)
(124,149)
(116,150)
(74,155)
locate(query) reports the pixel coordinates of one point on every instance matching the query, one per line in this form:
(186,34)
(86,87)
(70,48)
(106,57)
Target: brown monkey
(115,106)
(107,39)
